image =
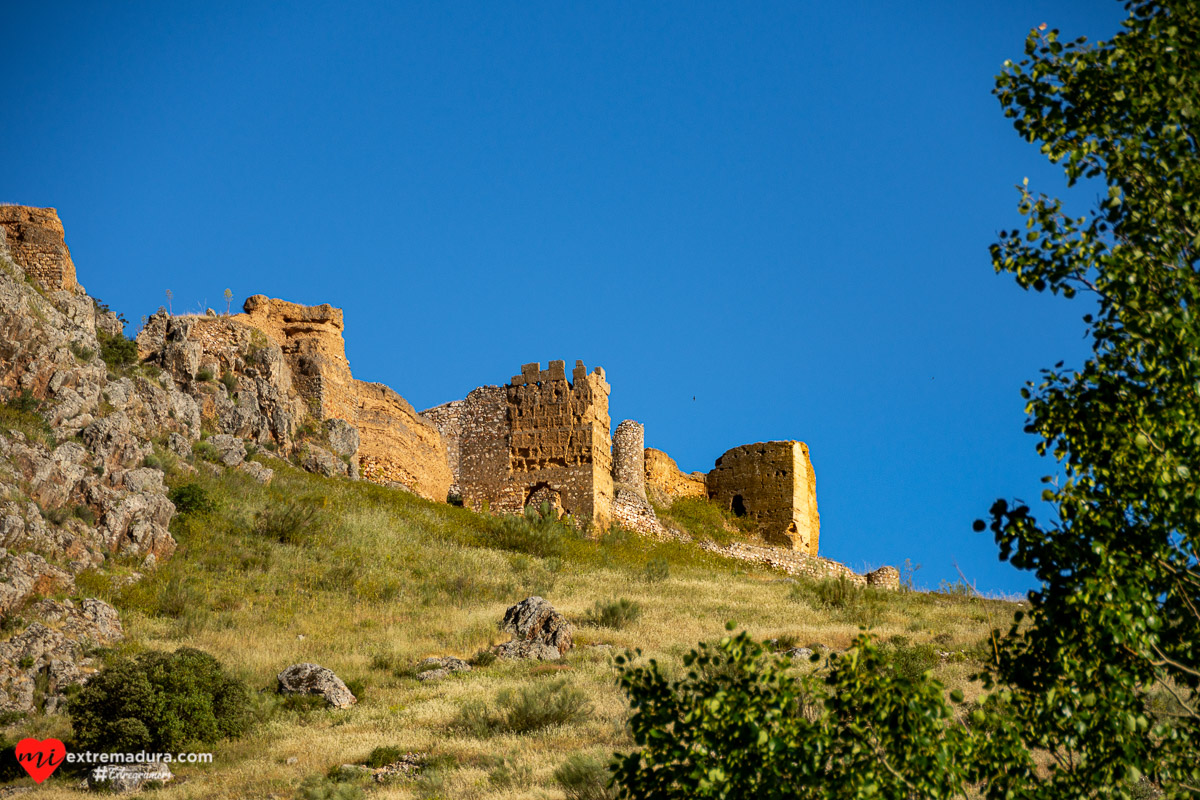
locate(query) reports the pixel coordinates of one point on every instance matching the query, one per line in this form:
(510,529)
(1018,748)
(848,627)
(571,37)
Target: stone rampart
(666,483)
(37,244)
(774,484)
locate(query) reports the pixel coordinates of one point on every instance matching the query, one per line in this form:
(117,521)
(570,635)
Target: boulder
(321,461)
(433,669)
(315,679)
(257,471)
(534,622)
(231,450)
(343,437)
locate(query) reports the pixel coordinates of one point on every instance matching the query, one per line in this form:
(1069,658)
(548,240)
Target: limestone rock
(343,437)
(50,654)
(27,575)
(533,621)
(433,669)
(257,471)
(231,450)
(314,679)
(321,461)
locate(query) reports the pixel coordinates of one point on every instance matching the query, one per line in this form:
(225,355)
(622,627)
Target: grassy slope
(378,579)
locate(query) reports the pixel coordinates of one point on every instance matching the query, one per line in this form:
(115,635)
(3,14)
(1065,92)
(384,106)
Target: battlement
(533,374)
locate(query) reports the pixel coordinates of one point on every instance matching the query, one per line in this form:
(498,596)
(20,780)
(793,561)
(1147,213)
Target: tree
(1105,670)
(228,300)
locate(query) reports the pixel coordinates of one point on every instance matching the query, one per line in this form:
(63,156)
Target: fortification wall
(629,457)
(398,445)
(773,483)
(447,419)
(312,341)
(37,244)
(666,483)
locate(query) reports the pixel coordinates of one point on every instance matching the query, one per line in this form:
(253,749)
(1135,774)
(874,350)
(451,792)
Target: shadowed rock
(315,679)
(539,631)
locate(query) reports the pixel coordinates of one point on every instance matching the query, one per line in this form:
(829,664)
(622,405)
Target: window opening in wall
(738,506)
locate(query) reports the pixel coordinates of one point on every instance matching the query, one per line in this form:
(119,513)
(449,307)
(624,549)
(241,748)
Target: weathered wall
(397,444)
(773,483)
(629,458)
(666,483)
(540,437)
(311,338)
(37,244)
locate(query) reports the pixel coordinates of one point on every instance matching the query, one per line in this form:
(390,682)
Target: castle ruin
(37,244)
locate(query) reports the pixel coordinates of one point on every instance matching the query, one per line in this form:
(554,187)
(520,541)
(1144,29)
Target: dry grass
(378,579)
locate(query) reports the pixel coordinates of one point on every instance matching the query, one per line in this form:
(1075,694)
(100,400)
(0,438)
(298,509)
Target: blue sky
(764,220)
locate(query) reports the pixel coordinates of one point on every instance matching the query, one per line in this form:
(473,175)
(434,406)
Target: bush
(230,382)
(204,375)
(82,352)
(85,514)
(585,777)
(537,533)
(614,614)
(291,523)
(910,661)
(206,451)
(319,787)
(532,708)
(656,570)
(191,498)
(117,351)
(159,701)
(382,756)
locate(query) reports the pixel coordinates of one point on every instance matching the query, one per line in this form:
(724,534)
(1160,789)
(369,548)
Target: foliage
(540,705)
(319,787)
(584,777)
(159,701)
(287,523)
(704,519)
(1118,609)
(116,350)
(230,382)
(191,498)
(204,375)
(739,724)
(21,412)
(656,569)
(537,532)
(617,613)
(382,756)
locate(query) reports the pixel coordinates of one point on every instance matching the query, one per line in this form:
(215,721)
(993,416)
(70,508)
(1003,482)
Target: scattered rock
(534,622)
(128,778)
(799,653)
(433,669)
(409,766)
(257,471)
(315,679)
(293,760)
(231,450)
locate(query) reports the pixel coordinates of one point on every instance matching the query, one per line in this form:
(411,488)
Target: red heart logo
(40,758)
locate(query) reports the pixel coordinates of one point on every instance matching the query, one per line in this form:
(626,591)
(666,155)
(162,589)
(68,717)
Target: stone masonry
(773,483)
(666,483)
(37,244)
(540,438)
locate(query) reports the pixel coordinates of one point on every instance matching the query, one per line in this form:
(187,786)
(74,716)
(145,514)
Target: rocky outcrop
(316,680)
(398,444)
(432,669)
(538,630)
(38,664)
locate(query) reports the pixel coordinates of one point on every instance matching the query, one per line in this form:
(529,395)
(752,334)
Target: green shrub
(21,413)
(81,352)
(584,777)
(910,660)
(230,382)
(152,462)
(117,351)
(85,514)
(191,498)
(159,701)
(614,614)
(537,533)
(656,570)
(290,523)
(532,708)
(382,756)
(484,658)
(206,451)
(320,787)
(204,375)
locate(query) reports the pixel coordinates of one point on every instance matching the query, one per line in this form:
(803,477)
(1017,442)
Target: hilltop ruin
(277,375)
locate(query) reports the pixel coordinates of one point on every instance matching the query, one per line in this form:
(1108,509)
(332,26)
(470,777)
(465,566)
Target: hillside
(200,488)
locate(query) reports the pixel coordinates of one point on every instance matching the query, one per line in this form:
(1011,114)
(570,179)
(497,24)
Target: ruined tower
(774,484)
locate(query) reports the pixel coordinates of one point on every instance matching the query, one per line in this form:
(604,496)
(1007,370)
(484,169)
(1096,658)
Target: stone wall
(773,483)
(541,437)
(312,341)
(629,458)
(397,445)
(37,244)
(666,483)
